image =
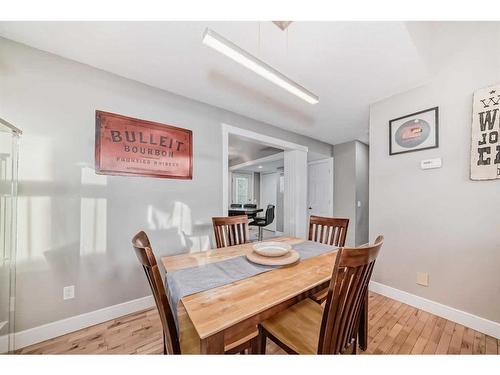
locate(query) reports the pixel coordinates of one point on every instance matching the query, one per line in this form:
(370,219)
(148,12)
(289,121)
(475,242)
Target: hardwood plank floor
(393,327)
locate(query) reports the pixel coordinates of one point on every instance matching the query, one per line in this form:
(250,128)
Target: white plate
(272,249)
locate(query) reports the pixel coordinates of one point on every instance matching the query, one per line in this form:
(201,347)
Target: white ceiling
(348,64)
(242,150)
(267,167)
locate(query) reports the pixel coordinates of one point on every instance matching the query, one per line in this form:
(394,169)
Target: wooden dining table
(210,318)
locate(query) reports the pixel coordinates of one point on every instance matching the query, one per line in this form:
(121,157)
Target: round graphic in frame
(412,133)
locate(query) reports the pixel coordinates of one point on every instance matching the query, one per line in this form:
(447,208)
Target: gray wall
(350,186)
(256,187)
(439,221)
(280,206)
(344,186)
(362,190)
(74,226)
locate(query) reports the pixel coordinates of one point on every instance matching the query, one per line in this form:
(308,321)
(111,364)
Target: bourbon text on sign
(129,146)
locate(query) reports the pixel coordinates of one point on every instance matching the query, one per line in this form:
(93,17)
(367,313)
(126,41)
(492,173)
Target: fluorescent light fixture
(231,50)
(260,166)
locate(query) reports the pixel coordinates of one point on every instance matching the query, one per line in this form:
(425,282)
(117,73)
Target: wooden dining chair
(308,328)
(329,231)
(231,230)
(144,253)
(171,343)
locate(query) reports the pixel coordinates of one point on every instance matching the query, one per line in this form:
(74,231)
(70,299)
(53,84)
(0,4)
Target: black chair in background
(262,222)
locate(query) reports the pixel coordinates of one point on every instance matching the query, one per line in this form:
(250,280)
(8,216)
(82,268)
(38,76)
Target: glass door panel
(9,136)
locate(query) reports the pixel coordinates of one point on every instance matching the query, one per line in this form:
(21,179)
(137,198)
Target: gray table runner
(192,280)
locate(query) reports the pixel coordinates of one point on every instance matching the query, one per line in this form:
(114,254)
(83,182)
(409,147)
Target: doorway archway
(295,192)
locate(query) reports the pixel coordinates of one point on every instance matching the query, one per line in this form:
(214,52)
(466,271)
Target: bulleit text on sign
(129,146)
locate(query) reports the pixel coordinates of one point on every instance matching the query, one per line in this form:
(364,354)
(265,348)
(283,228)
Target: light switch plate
(423,278)
(431,163)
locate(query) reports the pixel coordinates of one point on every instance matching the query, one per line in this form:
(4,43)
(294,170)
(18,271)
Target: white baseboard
(4,344)
(483,325)
(61,327)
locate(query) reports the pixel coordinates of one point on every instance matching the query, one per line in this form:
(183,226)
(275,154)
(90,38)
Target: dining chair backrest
(249,205)
(269,214)
(144,253)
(346,295)
(328,230)
(230,231)
(236,205)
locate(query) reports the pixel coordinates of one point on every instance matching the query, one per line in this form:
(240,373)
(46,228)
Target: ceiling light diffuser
(231,50)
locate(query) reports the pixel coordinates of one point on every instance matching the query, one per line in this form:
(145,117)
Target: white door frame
(330,162)
(295,160)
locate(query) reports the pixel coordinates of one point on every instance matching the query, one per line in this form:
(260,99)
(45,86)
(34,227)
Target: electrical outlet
(423,278)
(69,292)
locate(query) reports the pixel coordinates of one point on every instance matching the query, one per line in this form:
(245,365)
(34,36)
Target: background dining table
(244,211)
(209,318)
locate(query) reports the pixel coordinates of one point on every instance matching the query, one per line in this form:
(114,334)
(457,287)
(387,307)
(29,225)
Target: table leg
(213,344)
(363,325)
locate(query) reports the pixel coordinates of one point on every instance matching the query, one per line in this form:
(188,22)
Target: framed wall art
(133,147)
(415,132)
(485,139)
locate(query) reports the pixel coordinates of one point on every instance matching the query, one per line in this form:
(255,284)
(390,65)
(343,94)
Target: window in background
(242,188)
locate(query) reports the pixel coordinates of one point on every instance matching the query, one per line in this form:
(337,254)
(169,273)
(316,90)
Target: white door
(269,194)
(320,188)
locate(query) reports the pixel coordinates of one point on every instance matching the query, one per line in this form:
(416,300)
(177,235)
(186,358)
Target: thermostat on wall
(430,163)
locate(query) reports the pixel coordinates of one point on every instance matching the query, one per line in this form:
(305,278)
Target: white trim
(330,190)
(61,327)
(295,194)
(225,170)
(475,322)
(10,126)
(264,139)
(4,344)
(266,159)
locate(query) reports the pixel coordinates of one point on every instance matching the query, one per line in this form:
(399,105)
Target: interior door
(269,194)
(320,188)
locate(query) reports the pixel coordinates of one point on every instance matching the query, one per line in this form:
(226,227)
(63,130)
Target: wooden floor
(394,328)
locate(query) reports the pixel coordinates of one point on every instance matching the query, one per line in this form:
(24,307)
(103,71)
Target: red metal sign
(129,146)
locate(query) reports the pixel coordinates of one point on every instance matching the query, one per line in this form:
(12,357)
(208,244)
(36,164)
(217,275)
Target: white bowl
(271,249)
